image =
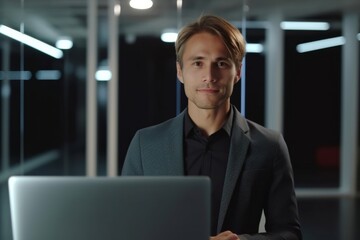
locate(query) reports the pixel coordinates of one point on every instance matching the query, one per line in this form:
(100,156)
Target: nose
(209,74)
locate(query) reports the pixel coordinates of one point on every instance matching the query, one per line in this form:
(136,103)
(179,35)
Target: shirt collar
(189,124)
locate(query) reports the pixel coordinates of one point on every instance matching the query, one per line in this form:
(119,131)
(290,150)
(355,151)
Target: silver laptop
(101,208)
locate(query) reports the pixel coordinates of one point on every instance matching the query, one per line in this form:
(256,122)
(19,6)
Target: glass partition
(42,99)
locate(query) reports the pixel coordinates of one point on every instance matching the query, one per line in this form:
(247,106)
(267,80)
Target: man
(249,166)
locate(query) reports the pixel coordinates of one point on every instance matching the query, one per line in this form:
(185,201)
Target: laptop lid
(122,208)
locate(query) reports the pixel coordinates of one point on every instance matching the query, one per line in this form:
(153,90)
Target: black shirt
(208,156)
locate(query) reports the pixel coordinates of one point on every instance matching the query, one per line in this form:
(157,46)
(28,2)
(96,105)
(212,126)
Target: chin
(208,106)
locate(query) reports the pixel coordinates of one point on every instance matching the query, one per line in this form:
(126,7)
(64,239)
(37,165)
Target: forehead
(204,43)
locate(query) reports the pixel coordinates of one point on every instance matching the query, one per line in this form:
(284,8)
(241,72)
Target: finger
(227,235)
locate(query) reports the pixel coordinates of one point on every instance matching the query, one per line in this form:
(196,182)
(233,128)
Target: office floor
(330,218)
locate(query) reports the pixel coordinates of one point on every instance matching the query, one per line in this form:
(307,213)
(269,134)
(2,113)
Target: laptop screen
(122,208)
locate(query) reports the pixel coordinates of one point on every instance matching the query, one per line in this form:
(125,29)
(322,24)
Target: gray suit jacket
(258,176)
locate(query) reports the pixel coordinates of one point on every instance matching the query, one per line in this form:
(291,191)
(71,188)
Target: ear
(238,74)
(179,72)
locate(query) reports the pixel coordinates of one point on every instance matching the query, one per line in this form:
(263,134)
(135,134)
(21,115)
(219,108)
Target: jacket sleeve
(281,211)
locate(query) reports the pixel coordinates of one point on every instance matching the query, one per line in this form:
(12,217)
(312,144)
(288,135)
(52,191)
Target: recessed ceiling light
(169,35)
(103,74)
(117,9)
(141,4)
(254,48)
(64,43)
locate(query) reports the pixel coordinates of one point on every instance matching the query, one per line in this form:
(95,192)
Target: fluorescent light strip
(321,44)
(15,75)
(32,42)
(48,75)
(310,26)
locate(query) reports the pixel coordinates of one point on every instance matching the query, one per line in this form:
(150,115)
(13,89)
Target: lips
(208,90)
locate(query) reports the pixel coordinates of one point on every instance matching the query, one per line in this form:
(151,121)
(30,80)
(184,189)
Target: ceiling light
(179,4)
(32,42)
(103,74)
(254,48)
(48,75)
(311,26)
(64,43)
(117,9)
(321,44)
(169,36)
(141,4)
(15,75)
(358,36)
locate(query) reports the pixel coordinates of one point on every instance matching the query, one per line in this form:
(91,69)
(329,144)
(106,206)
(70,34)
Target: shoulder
(254,130)
(264,143)
(261,139)
(257,130)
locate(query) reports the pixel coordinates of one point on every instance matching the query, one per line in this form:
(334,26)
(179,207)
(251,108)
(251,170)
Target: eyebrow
(201,58)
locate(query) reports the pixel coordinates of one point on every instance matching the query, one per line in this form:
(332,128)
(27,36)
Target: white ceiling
(49,19)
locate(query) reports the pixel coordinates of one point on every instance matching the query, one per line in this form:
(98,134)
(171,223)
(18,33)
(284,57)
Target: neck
(209,120)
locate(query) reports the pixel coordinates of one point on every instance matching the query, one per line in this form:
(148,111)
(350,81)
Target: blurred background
(79,77)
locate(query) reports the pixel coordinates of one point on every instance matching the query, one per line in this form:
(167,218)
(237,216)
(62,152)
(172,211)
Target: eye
(197,63)
(222,64)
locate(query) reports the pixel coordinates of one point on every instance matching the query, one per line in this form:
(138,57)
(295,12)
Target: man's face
(208,73)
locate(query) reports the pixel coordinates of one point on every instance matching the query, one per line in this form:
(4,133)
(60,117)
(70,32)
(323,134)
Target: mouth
(208,90)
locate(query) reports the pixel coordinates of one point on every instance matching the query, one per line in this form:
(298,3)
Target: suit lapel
(173,147)
(238,148)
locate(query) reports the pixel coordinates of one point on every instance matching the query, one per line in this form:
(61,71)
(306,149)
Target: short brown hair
(233,39)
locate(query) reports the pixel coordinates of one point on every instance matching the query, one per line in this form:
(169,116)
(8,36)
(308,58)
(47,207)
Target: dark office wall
(312,109)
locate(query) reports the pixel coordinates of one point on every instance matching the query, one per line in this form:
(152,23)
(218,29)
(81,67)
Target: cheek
(192,73)
(229,88)
(188,91)
(188,85)
(189,78)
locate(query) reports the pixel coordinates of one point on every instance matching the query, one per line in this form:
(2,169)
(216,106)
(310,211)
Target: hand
(227,235)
